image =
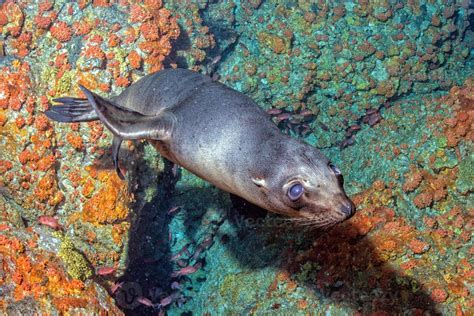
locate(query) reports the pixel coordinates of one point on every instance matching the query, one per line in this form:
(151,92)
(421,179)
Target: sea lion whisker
(313,223)
(320,223)
(314,226)
(296,219)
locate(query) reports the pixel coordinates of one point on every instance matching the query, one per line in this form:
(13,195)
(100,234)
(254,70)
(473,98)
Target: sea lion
(222,136)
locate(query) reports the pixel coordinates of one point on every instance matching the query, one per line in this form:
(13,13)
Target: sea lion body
(222,136)
(218,133)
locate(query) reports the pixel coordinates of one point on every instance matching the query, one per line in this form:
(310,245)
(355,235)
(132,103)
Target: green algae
(230,288)
(465,180)
(65,83)
(76,264)
(48,75)
(232,285)
(445,159)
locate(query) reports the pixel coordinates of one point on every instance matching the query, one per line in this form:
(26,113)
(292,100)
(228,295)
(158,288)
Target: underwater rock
(380,86)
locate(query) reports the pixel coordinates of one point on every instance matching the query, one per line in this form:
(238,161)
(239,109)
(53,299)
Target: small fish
(114,288)
(306,113)
(215,60)
(371,111)
(211,67)
(105,270)
(169,299)
(305,131)
(180,253)
(186,270)
(174,209)
(49,221)
(203,246)
(181,300)
(296,119)
(274,111)
(166,301)
(207,242)
(197,253)
(347,142)
(175,285)
(354,127)
(243,46)
(374,119)
(145,301)
(282,117)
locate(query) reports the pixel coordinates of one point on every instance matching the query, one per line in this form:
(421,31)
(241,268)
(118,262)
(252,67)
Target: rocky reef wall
(384,88)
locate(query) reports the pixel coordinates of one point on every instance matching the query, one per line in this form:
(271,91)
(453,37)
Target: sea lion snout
(348,208)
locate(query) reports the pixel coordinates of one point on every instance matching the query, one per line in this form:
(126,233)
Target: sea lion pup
(222,136)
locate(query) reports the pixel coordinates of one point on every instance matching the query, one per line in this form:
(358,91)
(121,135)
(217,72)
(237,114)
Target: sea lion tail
(72,110)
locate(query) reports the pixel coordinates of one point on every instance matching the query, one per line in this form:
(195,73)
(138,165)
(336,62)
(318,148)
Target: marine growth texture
(384,88)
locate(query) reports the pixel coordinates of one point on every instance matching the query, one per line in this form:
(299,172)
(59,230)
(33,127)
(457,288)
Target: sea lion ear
(259,182)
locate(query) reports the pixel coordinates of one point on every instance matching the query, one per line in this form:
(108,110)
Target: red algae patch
(47,191)
(439,295)
(423,200)
(11,18)
(110,203)
(61,31)
(34,273)
(378,259)
(135,60)
(412,180)
(42,170)
(75,141)
(418,247)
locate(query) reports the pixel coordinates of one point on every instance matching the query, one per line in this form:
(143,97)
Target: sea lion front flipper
(130,124)
(117,141)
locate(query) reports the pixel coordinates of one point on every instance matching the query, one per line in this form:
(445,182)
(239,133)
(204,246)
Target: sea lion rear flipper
(72,110)
(117,141)
(130,124)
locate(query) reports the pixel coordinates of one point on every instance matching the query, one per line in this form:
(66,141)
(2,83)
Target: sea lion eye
(295,191)
(335,169)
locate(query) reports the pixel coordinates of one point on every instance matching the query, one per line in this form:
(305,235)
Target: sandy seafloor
(383,88)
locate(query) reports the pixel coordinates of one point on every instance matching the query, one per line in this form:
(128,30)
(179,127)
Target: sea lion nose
(348,208)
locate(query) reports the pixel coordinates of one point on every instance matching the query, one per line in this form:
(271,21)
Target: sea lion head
(305,186)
